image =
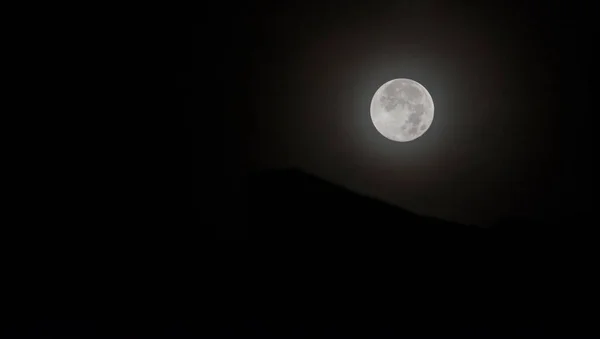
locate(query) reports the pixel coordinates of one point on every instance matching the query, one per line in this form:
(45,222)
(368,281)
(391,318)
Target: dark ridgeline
(318,260)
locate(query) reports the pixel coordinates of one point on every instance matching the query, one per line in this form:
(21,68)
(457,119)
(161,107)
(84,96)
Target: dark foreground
(297,257)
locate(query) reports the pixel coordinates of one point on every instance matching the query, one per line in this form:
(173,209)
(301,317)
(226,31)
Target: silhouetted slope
(301,197)
(318,254)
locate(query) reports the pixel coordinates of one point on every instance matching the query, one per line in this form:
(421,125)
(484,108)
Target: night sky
(277,84)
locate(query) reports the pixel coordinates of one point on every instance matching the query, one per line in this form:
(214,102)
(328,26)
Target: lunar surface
(402,110)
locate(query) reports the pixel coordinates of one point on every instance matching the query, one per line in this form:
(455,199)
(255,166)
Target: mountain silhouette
(318,257)
(311,259)
(303,208)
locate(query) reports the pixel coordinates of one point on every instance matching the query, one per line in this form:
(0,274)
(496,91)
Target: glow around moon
(402,110)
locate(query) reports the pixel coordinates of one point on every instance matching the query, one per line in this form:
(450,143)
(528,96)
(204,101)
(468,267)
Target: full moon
(402,110)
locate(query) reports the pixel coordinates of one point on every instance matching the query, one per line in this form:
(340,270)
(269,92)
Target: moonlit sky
(511,85)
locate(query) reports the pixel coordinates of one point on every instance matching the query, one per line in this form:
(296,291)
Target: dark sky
(288,84)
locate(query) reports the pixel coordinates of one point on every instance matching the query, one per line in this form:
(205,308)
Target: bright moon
(402,110)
